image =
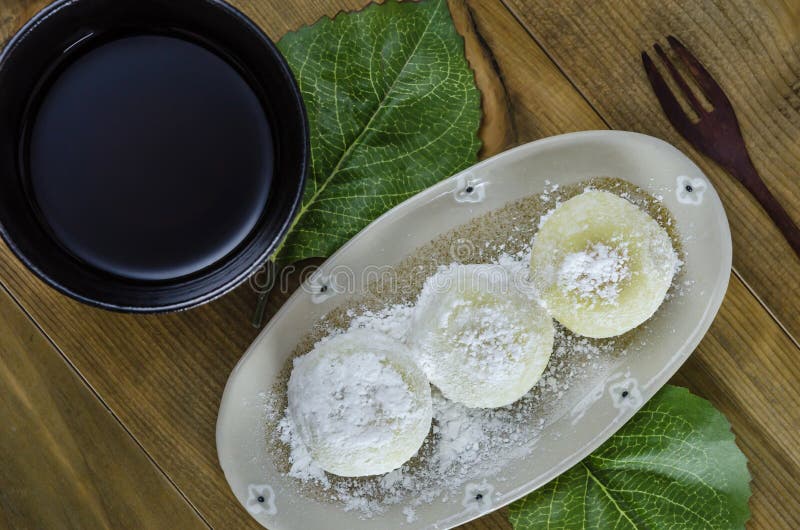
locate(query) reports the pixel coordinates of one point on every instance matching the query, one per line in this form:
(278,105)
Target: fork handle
(747,174)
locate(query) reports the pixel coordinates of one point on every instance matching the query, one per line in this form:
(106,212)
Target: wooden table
(108,420)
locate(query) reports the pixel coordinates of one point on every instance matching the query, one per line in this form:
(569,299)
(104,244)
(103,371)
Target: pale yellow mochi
(478,338)
(601,265)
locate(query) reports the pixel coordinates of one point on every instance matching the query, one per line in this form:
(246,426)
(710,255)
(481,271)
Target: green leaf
(392,108)
(674,465)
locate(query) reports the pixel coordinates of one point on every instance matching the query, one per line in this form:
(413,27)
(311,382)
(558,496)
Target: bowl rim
(294,199)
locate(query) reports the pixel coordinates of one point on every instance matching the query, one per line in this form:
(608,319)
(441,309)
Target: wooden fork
(716,133)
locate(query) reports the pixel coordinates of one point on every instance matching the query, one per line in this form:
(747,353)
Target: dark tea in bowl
(153,153)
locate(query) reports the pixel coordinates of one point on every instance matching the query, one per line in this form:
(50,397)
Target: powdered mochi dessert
(478,338)
(601,265)
(359,403)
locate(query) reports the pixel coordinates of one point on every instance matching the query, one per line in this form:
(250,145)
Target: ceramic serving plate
(589,417)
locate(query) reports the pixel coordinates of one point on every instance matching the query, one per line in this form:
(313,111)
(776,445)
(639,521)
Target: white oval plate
(589,419)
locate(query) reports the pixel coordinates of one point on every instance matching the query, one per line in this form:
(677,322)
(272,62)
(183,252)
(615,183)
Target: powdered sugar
(478,339)
(394,320)
(488,338)
(303,466)
(596,273)
(359,403)
(464,443)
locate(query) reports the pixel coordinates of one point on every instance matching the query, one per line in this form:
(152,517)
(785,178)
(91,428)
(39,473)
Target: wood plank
(164,375)
(66,461)
(524,96)
(753,51)
(14,13)
(759,396)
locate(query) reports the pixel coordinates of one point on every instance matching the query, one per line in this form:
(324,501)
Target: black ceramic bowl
(48,233)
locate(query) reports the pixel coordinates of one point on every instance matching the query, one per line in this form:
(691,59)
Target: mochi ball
(601,265)
(478,337)
(359,403)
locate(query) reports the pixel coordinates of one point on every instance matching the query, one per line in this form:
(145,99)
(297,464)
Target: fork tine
(672,108)
(710,87)
(680,81)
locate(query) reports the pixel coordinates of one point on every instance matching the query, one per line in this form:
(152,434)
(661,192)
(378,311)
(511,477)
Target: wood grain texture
(163,375)
(65,460)
(752,49)
(14,13)
(748,369)
(524,96)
